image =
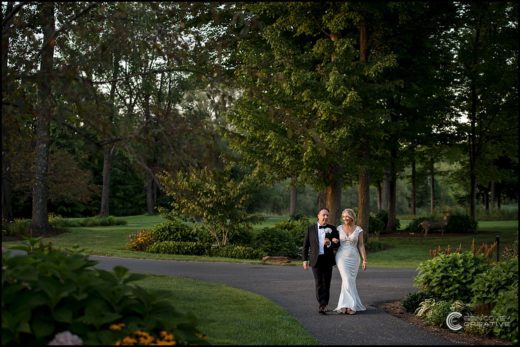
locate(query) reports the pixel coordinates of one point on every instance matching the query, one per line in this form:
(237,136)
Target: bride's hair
(350,212)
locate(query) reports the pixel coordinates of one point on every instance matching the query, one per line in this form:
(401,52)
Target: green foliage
(450,276)
(242,237)
(488,285)
(506,314)
(414,226)
(59,222)
(478,325)
(380,220)
(17,228)
(179,247)
(425,307)
(438,313)
(375,225)
(48,291)
(276,242)
(236,251)
(411,302)
(375,245)
(175,230)
(217,198)
(459,223)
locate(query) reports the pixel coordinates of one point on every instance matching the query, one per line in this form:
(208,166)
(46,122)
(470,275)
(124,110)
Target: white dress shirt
(321,238)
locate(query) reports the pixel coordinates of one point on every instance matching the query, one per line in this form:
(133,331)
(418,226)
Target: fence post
(497,240)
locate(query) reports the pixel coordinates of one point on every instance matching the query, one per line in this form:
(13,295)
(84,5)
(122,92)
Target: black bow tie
(323,226)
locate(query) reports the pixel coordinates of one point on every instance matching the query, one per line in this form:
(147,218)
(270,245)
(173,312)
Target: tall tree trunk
(108,148)
(432,186)
(486,197)
(7,206)
(151,194)
(392,198)
(293,189)
(364,182)
(40,219)
(385,199)
(333,200)
(107,167)
(379,196)
(363,200)
(414,185)
(492,195)
(320,201)
(473,125)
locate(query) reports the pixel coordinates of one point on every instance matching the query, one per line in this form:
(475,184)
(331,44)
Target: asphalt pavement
(293,288)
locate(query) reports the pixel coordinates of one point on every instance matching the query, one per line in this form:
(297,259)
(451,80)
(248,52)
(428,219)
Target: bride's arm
(361,247)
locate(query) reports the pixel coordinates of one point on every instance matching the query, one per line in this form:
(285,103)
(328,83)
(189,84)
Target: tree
(302,77)
(487,86)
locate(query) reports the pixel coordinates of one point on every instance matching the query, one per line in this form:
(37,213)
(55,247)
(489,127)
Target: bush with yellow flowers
(140,240)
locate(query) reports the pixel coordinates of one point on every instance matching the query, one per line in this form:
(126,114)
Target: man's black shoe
(322,310)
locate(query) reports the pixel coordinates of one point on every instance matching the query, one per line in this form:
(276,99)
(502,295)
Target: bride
(347,260)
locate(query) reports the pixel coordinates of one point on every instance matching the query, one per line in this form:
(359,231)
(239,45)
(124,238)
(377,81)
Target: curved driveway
(293,288)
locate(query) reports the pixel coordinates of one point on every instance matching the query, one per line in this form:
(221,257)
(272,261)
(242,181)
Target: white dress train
(347,260)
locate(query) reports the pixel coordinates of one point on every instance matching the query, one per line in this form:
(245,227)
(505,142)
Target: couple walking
(321,239)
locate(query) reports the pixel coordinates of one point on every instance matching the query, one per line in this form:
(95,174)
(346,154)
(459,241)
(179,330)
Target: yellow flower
(117,326)
(166,335)
(129,340)
(166,343)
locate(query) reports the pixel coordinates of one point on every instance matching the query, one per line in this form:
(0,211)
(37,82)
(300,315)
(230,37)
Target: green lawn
(235,317)
(231,316)
(403,251)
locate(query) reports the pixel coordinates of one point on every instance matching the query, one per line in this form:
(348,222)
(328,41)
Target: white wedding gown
(347,260)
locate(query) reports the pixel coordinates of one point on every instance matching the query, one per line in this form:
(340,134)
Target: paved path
(293,288)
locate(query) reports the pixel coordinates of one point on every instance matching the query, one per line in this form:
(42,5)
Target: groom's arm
(334,235)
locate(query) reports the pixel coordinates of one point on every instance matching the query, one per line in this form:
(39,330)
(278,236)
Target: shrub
(438,313)
(411,302)
(179,247)
(17,228)
(478,325)
(498,277)
(177,230)
(414,226)
(458,223)
(450,276)
(510,251)
(379,221)
(375,225)
(375,245)
(140,240)
(505,314)
(275,242)
(425,307)
(48,293)
(236,251)
(241,236)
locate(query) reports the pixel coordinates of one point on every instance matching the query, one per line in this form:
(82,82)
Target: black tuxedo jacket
(311,245)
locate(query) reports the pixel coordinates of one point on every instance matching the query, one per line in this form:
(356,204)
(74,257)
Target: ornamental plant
(47,292)
(450,276)
(500,276)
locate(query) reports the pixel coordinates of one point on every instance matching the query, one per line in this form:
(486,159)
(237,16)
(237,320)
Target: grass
(404,251)
(230,316)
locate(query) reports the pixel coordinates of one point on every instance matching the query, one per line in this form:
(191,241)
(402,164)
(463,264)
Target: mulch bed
(395,309)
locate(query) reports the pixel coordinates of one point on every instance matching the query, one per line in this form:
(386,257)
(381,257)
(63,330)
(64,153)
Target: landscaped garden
(277,235)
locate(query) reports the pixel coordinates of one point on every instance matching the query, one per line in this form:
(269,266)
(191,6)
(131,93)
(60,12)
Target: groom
(318,241)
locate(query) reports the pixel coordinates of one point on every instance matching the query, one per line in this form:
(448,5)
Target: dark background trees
(404,107)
